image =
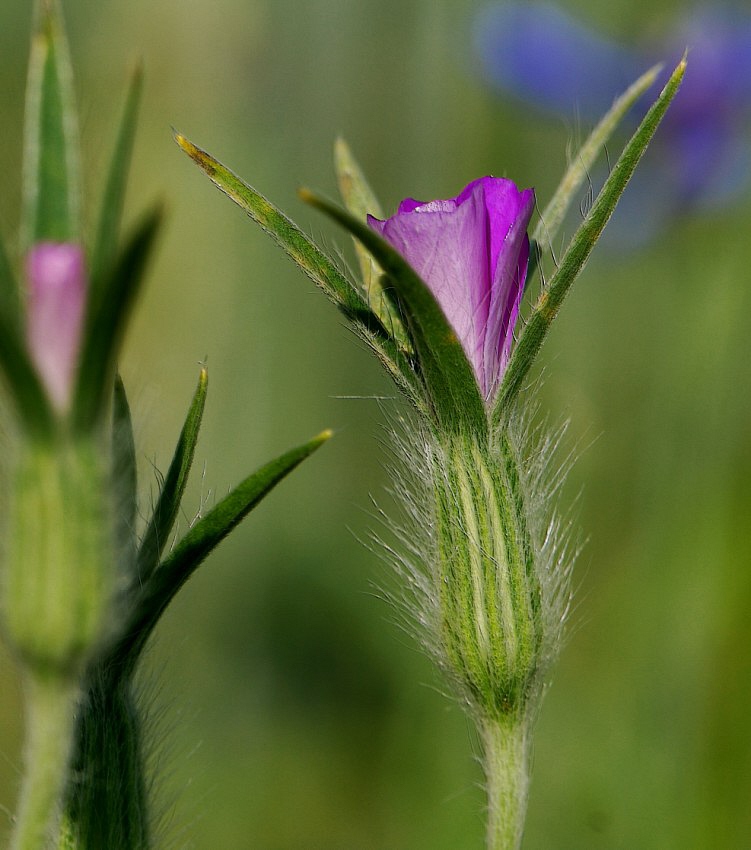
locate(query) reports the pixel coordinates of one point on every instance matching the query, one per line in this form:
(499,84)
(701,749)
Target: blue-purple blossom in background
(701,157)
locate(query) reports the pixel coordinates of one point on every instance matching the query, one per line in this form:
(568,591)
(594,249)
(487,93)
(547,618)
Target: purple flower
(472,253)
(56,278)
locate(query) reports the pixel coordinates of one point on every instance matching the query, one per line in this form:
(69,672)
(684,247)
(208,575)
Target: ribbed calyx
(59,570)
(490,597)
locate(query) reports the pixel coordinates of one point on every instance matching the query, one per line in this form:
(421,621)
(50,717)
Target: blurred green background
(292,712)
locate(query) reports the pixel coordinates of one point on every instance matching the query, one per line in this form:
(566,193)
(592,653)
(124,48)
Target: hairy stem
(506,762)
(51,702)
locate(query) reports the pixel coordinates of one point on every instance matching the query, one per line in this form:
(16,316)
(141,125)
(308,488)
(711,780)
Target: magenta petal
(56,279)
(409,204)
(445,246)
(509,212)
(472,252)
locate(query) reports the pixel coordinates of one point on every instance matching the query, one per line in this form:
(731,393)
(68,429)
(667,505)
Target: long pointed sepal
(579,249)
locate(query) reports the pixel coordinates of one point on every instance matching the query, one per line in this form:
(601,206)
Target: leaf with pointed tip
(124,478)
(552,216)
(579,249)
(10,301)
(113,199)
(320,268)
(200,540)
(451,384)
(106,318)
(173,487)
(360,200)
(50,167)
(28,393)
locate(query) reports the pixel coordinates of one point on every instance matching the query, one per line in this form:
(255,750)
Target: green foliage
(555,210)
(360,200)
(160,588)
(300,248)
(152,585)
(579,249)
(171,494)
(124,480)
(106,319)
(113,197)
(51,167)
(317,265)
(28,393)
(106,802)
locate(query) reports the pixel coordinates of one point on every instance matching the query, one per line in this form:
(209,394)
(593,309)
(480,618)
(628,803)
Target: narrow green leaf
(124,478)
(51,171)
(315,264)
(200,540)
(113,199)
(10,299)
(554,213)
(173,487)
(105,323)
(360,200)
(300,248)
(579,249)
(26,388)
(23,381)
(454,395)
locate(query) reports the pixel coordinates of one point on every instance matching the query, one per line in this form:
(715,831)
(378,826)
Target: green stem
(506,761)
(51,703)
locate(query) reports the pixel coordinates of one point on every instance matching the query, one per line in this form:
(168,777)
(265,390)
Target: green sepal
(23,381)
(27,390)
(360,200)
(59,575)
(552,216)
(319,267)
(106,316)
(167,506)
(159,590)
(454,395)
(124,478)
(10,296)
(578,251)
(51,171)
(113,198)
(491,626)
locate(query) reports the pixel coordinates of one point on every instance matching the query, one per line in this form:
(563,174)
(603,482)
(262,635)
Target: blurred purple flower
(472,252)
(56,277)
(700,157)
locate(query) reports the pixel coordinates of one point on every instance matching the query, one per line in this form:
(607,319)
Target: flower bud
(56,300)
(490,596)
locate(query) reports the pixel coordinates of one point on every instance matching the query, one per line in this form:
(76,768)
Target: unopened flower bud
(56,277)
